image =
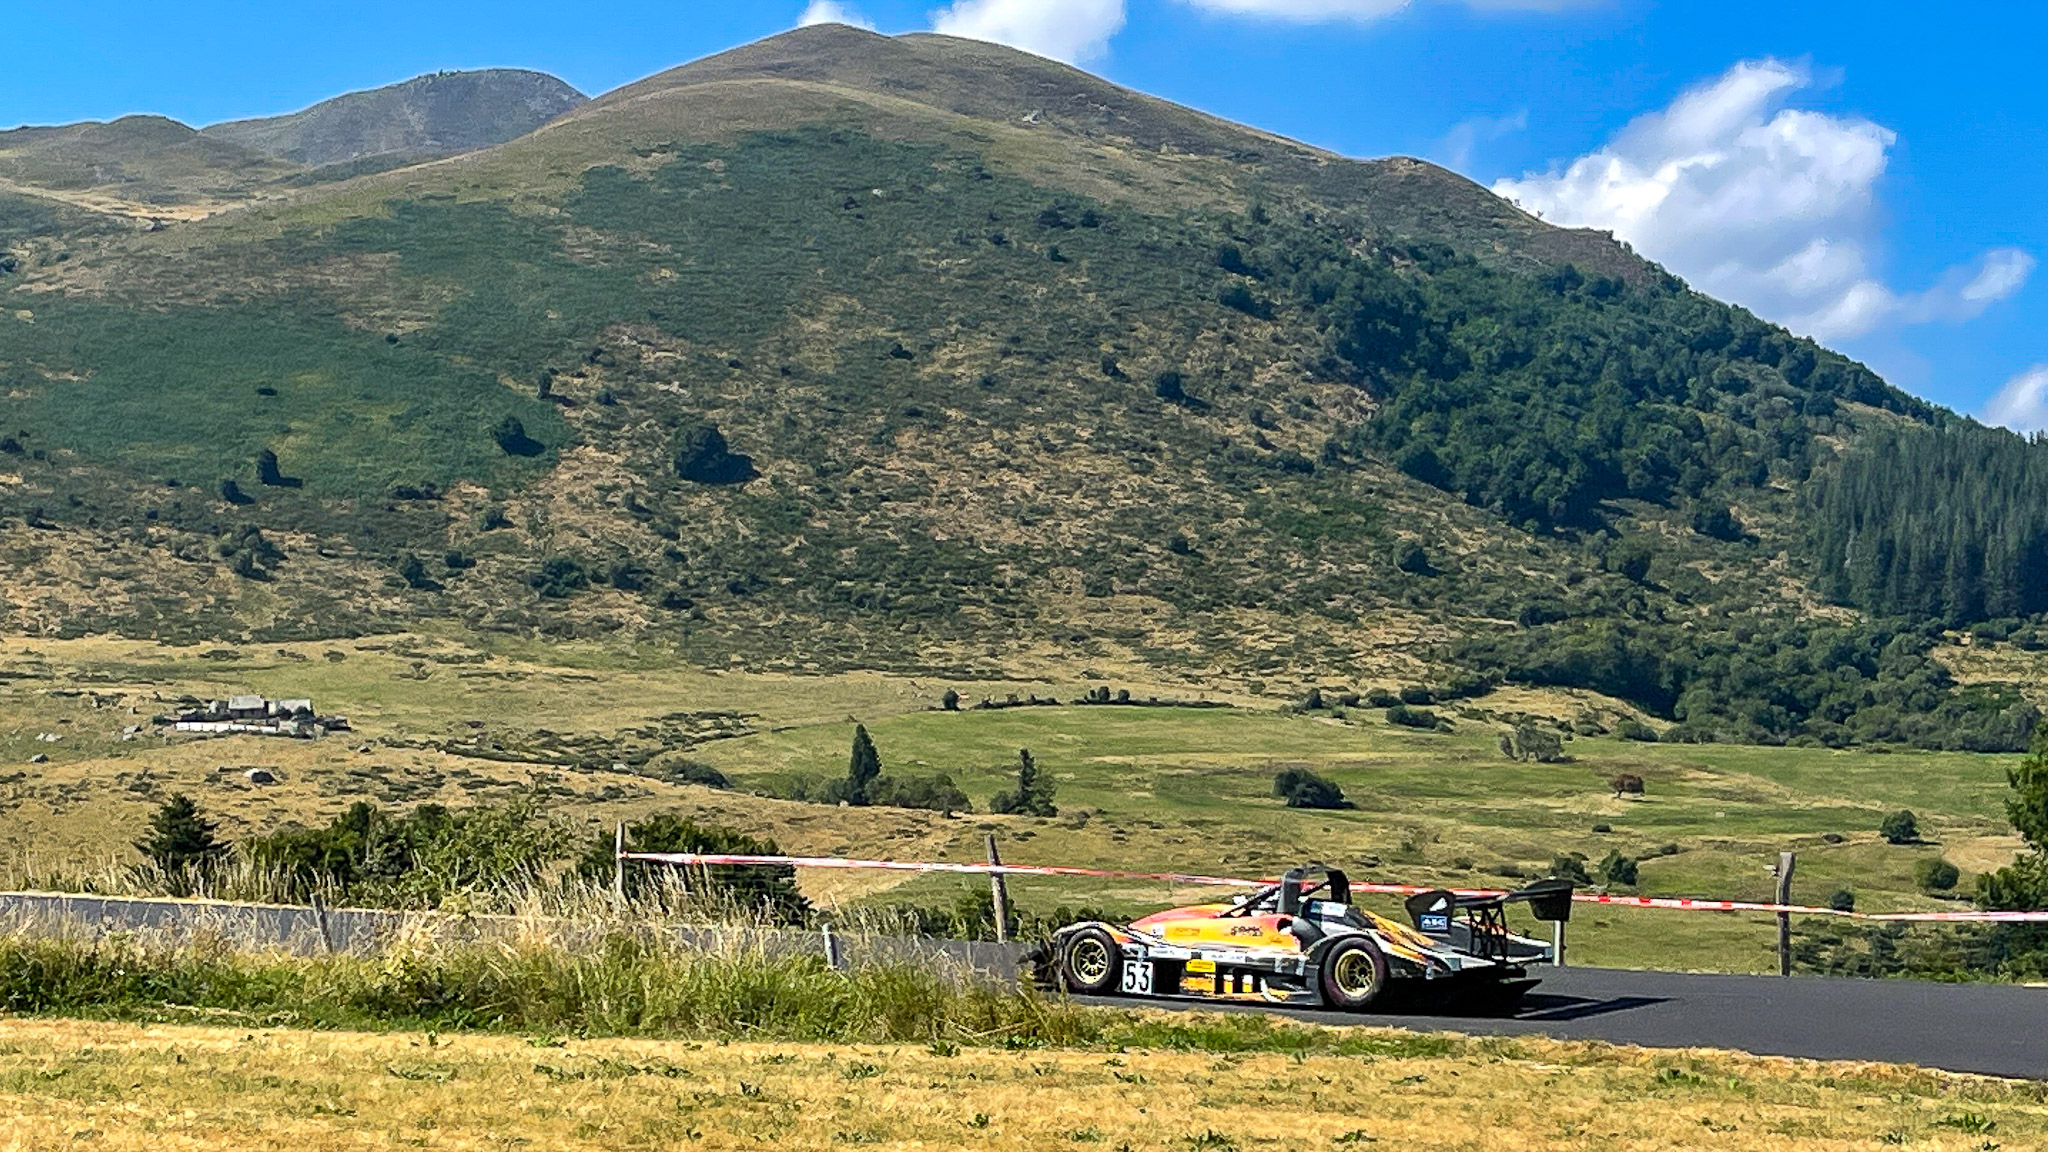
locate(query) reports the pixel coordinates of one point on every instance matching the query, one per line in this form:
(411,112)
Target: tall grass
(611,978)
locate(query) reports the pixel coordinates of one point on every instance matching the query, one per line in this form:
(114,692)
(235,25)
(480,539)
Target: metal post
(1786,862)
(999,894)
(834,958)
(1557,943)
(619,863)
(320,922)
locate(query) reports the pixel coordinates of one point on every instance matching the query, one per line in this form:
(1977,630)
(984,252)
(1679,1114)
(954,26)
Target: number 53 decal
(1138,979)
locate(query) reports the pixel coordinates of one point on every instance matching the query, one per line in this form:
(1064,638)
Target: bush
(702,457)
(1381,698)
(936,793)
(1630,728)
(559,578)
(765,890)
(1626,784)
(1302,788)
(1313,702)
(1408,717)
(513,440)
(1416,694)
(1528,742)
(697,772)
(1842,900)
(1618,871)
(1570,868)
(1901,827)
(1413,559)
(950,702)
(1936,874)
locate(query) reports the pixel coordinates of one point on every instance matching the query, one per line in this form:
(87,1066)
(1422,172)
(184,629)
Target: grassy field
(1139,788)
(124,1086)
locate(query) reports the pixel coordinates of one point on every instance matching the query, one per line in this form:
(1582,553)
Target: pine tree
(1033,794)
(181,842)
(863,768)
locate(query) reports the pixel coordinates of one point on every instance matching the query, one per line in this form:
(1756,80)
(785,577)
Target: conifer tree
(863,768)
(181,842)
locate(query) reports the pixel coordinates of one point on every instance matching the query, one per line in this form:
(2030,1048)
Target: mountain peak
(437,114)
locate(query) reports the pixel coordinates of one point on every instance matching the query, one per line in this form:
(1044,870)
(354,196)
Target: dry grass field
(459,719)
(160,1088)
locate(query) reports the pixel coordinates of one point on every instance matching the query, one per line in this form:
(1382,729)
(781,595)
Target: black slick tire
(1352,975)
(1091,963)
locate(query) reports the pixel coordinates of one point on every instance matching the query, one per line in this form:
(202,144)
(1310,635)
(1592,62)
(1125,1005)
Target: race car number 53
(1138,979)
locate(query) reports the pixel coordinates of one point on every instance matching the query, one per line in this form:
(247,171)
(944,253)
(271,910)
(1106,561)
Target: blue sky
(1870,173)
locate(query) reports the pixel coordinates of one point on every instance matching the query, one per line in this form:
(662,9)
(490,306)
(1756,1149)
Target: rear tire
(1091,962)
(1352,975)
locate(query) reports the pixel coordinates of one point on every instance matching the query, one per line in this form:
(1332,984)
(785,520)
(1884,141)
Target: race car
(1302,942)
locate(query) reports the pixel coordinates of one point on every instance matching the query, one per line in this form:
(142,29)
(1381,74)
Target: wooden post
(999,893)
(320,922)
(619,863)
(835,959)
(1786,862)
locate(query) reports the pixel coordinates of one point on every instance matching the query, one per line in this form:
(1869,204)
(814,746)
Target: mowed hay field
(123,1086)
(459,719)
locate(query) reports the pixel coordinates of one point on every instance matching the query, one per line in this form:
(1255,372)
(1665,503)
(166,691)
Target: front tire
(1091,962)
(1352,975)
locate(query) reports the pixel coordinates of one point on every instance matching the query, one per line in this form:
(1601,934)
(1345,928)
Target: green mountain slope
(841,350)
(427,116)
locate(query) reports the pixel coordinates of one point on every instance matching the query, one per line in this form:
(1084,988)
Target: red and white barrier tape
(1675,903)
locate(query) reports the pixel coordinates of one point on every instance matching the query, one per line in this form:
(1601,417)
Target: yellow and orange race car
(1301,941)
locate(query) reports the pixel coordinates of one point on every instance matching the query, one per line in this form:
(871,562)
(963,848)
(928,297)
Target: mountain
(849,351)
(422,118)
(137,165)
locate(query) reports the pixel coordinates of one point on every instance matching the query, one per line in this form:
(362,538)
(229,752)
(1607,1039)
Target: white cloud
(1365,11)
(1463,140)
(2022,405)
(1070,30)
(833,12)
(1772,207)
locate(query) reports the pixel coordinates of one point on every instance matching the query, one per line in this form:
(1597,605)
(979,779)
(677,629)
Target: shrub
(1842,900)
(1033,794)
(1626,784)
(1570,868)
(512,438)
(950,702)
(766,890)
(1528,742)
(1314,701)
(697,772)
(1381,698)
(1302,788)
(1936,874)
(559,578)
(702,457)
(1416,694)
(1901,827)
(1630,728)
(936,793)
(1408,717)
(1618,870)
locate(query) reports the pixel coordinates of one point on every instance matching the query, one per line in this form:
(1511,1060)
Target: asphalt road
(1993,1029)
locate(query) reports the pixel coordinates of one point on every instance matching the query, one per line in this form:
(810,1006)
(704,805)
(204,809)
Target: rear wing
(1433,911)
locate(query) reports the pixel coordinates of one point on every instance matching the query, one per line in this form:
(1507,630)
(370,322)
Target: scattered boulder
(39,758)
(259,776)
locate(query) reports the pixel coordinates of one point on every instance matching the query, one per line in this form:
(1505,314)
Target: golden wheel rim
(1089,960)
(1353,972)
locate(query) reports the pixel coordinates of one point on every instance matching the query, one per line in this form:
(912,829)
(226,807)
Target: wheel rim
(1353,972)
(1089,960)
